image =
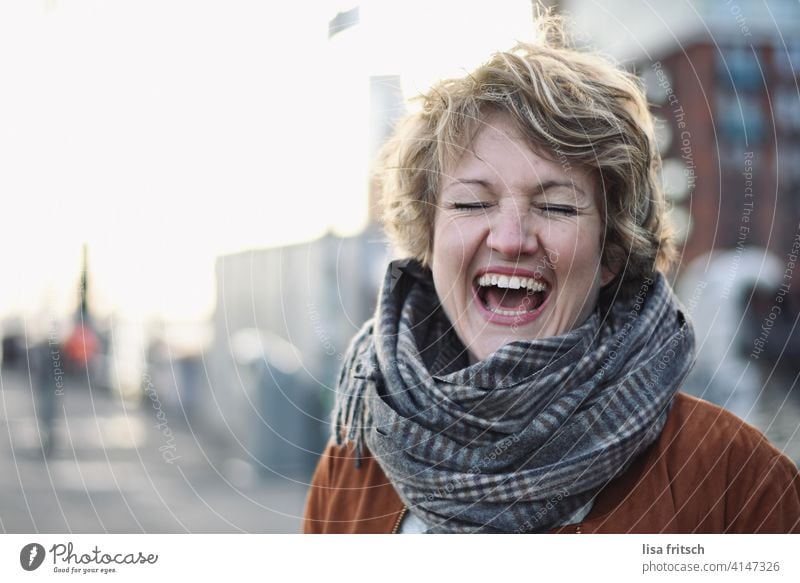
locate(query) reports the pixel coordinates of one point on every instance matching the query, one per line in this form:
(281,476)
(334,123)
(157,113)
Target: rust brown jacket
(709,472)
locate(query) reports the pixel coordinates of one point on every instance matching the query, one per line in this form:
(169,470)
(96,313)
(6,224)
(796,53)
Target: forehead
(500,152)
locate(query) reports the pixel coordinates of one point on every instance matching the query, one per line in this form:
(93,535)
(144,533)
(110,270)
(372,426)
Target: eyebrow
(469,182)
(540,188)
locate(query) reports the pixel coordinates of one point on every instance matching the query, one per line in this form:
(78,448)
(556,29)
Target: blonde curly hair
(575,107)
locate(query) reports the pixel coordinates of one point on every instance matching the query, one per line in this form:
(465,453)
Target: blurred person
(523,369)
(12,349)
(48,384)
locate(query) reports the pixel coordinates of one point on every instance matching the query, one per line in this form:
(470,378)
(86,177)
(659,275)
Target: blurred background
(192,240)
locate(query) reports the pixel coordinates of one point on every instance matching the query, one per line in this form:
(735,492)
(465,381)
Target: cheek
(445,253)
(454,243)
(453,251)
(578,252)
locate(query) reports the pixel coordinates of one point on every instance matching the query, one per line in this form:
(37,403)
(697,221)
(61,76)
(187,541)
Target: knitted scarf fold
(521,440)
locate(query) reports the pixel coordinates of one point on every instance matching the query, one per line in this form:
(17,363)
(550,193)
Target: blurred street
(106,473)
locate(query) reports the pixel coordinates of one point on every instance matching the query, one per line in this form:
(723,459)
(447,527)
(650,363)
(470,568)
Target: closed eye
(560,210)
(470,205)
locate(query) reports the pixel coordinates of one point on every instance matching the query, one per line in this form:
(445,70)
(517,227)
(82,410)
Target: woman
(522,370)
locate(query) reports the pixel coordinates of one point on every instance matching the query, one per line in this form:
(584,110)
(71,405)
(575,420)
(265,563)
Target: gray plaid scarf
(521,440)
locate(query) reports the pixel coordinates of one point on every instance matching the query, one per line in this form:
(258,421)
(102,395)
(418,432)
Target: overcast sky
(166,132)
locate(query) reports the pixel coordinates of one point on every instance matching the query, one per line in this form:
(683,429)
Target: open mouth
(510,295)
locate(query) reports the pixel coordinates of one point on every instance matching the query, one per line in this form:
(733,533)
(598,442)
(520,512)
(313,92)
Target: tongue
(509,299)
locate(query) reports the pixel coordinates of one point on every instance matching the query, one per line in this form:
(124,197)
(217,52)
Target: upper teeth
(514,282)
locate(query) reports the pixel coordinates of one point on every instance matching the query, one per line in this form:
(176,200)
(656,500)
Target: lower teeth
(525,310)
(510,312)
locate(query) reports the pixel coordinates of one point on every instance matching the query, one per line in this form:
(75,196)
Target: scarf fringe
(350,415)
(350,422)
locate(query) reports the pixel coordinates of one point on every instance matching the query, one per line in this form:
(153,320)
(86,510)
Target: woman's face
(516,244)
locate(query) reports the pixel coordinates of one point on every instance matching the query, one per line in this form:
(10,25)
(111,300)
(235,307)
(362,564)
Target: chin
(488,347)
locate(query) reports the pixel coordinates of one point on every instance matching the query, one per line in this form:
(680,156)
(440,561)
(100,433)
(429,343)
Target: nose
(513,233)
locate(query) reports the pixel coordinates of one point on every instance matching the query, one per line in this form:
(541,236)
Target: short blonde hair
(575,107)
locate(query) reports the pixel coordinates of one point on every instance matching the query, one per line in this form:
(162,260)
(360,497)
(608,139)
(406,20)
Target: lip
(518,320)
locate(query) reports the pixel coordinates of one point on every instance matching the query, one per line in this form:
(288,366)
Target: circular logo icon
(31,556)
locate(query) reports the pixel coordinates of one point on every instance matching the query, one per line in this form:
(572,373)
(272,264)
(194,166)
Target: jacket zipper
(399,520)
